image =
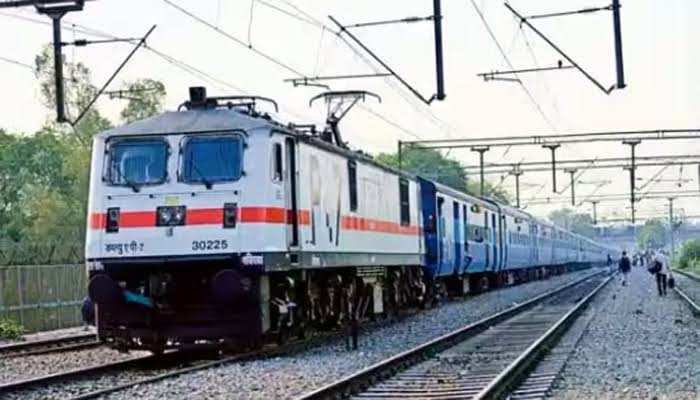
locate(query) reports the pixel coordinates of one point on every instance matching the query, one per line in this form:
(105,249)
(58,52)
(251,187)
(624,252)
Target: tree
(145,99)
(29,161)
(651,235)
(44,176)
(578,223)
(432,164)
(689,253)
(78,92)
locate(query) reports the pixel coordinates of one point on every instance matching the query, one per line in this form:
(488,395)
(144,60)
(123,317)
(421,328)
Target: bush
(689,254)
(10,329)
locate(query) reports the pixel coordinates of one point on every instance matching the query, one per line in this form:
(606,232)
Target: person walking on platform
(625,267)
(663,271)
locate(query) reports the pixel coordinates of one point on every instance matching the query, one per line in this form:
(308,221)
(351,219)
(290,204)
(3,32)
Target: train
(217,225)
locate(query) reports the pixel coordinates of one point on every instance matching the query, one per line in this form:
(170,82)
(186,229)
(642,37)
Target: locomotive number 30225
(202,245)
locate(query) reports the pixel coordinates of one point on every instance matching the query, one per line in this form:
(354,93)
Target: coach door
(502,240)
(442,254)
(291,200)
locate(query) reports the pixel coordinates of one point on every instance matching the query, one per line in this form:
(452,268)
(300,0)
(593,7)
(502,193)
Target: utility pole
(572,172)
(481,150)
(671,225)
(617,29)
(632,168)
(54,9)
(517,172)
(439,71)
(553,148)
(595,211)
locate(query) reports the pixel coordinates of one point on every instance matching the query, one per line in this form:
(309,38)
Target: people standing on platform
(625,267)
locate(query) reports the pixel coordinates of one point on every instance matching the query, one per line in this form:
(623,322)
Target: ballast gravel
(289,377)
(638,346)
(25,367)
(689,286)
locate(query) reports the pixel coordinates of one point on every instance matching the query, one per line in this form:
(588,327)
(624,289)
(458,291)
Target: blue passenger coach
(472,242)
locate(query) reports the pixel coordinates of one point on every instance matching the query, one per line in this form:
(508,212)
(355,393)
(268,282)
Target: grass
(10,329)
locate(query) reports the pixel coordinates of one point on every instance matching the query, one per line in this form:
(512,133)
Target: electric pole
(632,168)
(481,150)
(595,211)
(553,148)
(671,225)
(572,172)
(517,172)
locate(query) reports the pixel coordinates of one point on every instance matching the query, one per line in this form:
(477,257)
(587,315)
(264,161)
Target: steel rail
(384,369)
(521,366)
(286,349)
(695,307)
(35,347)
(44,380)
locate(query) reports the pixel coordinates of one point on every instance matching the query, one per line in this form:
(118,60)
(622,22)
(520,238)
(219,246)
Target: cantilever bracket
(618,48)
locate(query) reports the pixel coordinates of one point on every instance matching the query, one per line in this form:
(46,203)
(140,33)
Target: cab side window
(352,183)
(277,167)
(404,200)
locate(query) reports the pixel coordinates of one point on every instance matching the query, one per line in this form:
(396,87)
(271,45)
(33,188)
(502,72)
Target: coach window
(403,199)
(277,162)
(352,183)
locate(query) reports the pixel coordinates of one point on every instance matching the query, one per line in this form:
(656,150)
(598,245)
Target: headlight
(170,215)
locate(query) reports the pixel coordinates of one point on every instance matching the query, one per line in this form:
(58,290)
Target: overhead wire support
(41,3)
(491,76)
(524,20)
(114,75)
(391,21)
(566,138)
(575,12)
(86,42)
(308,80)
(439,67)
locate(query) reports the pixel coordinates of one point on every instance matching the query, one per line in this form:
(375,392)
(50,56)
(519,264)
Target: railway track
(484,360)
(108,378)
(150,369)
(692,303)
(54,345)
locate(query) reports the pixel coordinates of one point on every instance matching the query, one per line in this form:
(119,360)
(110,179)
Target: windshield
(138,162)
(212,159)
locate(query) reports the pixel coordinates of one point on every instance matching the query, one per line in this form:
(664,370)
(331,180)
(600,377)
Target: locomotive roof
(189,121)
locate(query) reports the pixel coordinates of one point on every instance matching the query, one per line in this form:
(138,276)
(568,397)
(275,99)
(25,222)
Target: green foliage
(44,190)
(145,99)
(689,254)
(432,164)
(78,93)
(581,224)
(10,329)
(651,235)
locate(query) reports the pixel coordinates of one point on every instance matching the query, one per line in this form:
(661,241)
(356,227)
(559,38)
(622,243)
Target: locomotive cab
(185,210)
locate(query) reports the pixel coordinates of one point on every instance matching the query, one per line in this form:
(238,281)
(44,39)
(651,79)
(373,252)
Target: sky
(252,52)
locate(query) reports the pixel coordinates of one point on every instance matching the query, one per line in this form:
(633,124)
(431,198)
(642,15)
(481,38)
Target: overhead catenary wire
(274,60)
(17,63)
(536,105)
(233,38)
(410,100)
